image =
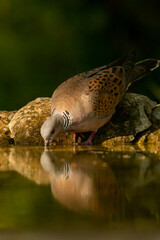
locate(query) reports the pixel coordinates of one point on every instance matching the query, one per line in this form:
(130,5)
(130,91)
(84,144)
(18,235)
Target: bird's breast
(89,124)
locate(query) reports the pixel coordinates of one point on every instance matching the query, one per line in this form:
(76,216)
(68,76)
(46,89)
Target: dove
(87,101)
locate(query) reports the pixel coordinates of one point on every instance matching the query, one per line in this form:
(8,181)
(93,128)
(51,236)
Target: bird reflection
(84,183)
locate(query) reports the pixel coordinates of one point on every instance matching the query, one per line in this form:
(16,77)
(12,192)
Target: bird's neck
(63,120)
(66,119)
(58,119)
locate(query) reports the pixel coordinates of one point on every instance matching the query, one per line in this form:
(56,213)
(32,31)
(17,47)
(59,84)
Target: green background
(44,42)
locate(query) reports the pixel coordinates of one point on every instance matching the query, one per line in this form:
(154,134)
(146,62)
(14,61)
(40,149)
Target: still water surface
(79,189)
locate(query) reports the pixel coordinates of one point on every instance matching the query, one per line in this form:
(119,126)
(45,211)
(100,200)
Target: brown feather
(91,97)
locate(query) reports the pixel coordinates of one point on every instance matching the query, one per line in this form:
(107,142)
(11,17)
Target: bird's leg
(75,138)
(89,140)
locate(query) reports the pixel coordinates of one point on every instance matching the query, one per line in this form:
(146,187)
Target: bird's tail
(135,71)
(142,68)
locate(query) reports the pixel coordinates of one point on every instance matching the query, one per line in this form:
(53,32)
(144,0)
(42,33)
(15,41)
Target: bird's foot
(75,138)
(89,140)
(86,143)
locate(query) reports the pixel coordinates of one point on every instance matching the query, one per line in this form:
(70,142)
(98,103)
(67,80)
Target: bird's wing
(94,96)
(95,92)
(105,90)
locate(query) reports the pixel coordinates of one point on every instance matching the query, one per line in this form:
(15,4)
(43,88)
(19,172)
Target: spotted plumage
(106,89)
(88,100)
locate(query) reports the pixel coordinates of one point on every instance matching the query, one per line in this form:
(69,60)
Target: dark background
(44,42)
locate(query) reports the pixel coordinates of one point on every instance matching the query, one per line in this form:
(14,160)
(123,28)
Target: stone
(26,123)
(5,118)
(156,112)
(133,116)
(152,135)
(136,117)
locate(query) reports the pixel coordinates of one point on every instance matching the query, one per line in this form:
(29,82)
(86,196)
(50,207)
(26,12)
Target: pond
(78,191)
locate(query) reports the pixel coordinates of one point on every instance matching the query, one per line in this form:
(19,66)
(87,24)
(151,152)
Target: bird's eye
(53,131)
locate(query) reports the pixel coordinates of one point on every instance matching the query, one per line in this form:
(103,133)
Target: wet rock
(64,139)
(152,135)
(26,123)
(156,113)
(5,118)
(133,116)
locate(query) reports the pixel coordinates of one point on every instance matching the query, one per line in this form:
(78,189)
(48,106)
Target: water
(80,190)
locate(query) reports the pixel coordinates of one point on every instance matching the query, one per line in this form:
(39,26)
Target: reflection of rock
(26,162)
(4,159)
(94,181)
(83,183)
(5,118)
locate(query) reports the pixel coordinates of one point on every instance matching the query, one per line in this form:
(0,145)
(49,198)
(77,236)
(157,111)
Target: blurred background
(44,42)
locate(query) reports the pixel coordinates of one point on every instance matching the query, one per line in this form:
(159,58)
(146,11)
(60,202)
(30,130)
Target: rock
(26,123)
(133,116)
(64,138)
(152,135)
(156,112)
(136,115)
(5,118)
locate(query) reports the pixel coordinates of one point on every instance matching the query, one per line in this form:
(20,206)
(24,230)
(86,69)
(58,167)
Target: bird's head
(51,128)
